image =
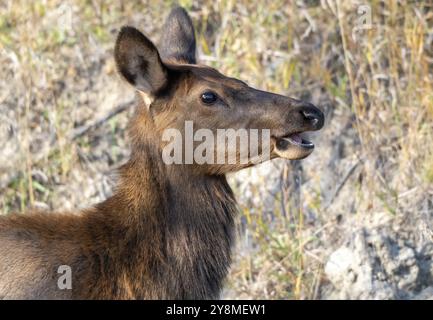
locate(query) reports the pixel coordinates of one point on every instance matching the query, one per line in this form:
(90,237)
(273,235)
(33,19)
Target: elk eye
(208,97)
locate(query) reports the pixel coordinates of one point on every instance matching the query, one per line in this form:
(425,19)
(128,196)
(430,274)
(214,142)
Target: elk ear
(138,61)
(178,39)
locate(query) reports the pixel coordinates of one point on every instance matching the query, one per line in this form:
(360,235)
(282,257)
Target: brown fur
(167,231)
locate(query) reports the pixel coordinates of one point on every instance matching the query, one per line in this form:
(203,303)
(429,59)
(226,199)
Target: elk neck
(181,223)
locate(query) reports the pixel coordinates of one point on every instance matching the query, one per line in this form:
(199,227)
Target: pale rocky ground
(354,242)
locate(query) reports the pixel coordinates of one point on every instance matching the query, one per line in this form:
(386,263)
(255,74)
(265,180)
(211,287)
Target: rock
(426,294)
(339,264)
(376,264)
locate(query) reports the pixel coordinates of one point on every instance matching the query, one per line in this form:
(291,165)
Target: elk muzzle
(292,145)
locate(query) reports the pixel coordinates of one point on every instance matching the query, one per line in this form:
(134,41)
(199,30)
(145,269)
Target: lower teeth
(284,143)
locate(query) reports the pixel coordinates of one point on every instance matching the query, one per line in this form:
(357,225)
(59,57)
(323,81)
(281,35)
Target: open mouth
(292,146)
(293,139)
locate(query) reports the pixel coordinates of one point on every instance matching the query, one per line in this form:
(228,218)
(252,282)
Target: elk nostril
(310,116)
(313,115)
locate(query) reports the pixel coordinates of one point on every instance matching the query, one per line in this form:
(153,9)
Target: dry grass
(377,90)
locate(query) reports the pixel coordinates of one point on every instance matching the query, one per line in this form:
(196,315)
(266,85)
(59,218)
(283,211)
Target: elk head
(175,90)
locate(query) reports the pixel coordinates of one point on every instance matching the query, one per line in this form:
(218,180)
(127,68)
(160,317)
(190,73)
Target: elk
(167,230)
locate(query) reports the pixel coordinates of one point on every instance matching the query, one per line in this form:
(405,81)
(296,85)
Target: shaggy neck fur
(177,226)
